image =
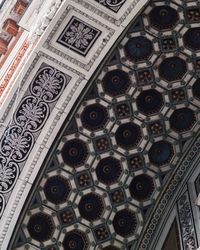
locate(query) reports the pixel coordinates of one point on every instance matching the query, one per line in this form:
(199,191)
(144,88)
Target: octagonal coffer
(161,152)
(41,227)
(182,120)
(75,152)
(94,117)
(138,49)
(91,206)
(142,187)
(125,222)
(116,82)
(172,68)
(75,240)
(128,135)
(163,17)
(108,170)
(191,39)
(57,189)
(149,102)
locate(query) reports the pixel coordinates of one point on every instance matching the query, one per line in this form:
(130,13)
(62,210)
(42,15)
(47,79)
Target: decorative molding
(13,68)
(45,19)
(186,222)
(64,105)
(29,118)
(116,18)
(104,31)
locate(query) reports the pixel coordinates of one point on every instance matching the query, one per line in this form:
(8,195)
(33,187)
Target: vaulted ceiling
(125,139)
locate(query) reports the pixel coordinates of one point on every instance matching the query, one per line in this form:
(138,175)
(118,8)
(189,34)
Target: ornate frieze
(125,119)
(186,222)
(29,118)
(168,101)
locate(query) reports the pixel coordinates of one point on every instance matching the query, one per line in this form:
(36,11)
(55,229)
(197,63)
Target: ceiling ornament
(129,127)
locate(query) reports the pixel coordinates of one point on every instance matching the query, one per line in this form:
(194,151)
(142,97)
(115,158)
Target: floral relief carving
(79,36)
(190,243)
(32,113)
(29,118)
(48,84)
(9,172)
(17,143)
(186,223)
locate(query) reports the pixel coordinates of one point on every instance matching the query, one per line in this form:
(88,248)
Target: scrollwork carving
(17,143)
(32,113)
(48,84)
(9,172)
(186,223)
(29,118)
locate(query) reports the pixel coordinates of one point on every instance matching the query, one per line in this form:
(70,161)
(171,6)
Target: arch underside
(124,165)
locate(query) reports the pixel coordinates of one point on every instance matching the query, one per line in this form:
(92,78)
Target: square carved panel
(78,36)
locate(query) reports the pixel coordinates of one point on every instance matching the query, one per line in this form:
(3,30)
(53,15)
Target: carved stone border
(83,62)
(115,18)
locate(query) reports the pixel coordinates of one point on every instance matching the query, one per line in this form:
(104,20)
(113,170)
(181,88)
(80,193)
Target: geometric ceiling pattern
(124,138)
